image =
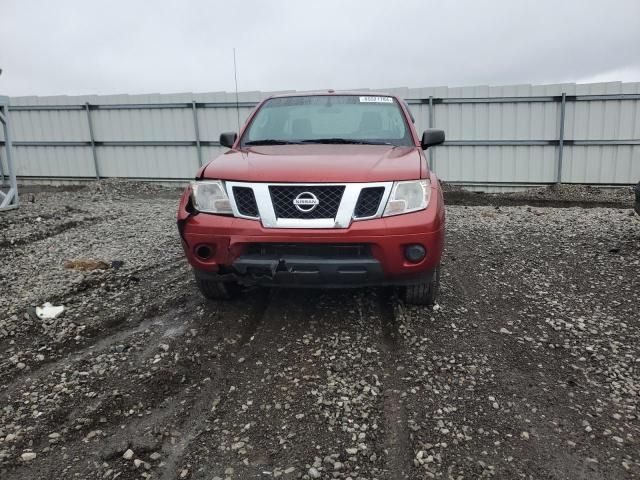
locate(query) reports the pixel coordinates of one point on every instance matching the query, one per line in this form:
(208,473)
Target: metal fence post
(2,120)
(9,199)
(93,143)
(1,173)
(563,105)
(194,109)
(430,126)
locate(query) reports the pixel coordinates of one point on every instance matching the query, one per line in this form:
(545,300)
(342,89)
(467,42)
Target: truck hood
(317,164)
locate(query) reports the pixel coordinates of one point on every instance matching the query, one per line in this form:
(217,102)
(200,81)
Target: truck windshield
(339,119)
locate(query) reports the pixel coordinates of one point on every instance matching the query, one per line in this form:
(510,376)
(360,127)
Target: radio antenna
(235,76)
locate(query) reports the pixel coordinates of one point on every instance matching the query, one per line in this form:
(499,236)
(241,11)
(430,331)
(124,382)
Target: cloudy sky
(85,47)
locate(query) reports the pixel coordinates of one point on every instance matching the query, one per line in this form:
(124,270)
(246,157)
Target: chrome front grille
(314,205)
(328,198)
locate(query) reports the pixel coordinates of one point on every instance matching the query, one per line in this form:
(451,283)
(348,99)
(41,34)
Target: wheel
(423,293)
(216,290)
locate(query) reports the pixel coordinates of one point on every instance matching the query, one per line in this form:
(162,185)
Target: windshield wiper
(271,141)
(352,141)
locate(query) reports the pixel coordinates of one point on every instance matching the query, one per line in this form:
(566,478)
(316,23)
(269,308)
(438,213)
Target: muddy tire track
(396,442)
(171,404)
(110,323)
(8,245)
(495,341)
(212,393)
(151,328)
(288,394)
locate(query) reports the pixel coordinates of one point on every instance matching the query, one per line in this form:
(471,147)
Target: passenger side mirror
(431,137)
(227,139)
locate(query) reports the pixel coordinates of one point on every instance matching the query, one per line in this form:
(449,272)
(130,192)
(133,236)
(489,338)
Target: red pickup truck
(319,189)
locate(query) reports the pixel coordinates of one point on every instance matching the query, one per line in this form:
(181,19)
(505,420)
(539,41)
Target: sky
(77,47)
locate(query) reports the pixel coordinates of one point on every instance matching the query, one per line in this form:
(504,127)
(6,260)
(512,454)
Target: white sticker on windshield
(376,100)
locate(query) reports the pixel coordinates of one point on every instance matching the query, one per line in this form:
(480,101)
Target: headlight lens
(210,196)
(409,196)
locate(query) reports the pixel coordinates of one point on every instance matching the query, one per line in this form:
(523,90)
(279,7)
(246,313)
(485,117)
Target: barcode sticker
(376,100)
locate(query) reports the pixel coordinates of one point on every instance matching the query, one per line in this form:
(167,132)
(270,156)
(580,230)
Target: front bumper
(301,272)
(230,240)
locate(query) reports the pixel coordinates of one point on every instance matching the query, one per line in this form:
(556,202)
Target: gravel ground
(565,195)
(527,368)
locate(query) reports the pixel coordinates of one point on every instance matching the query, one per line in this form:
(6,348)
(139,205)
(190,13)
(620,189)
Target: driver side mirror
(227,139)
(431,137)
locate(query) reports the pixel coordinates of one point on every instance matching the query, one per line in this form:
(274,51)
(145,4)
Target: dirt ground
(529,366)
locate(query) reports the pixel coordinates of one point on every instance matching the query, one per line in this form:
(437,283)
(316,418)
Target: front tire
(424,293)
(216,290)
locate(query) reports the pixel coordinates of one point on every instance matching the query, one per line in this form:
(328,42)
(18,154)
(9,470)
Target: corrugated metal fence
(497,137)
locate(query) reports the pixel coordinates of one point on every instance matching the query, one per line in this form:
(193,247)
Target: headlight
(210,196)
(408,196)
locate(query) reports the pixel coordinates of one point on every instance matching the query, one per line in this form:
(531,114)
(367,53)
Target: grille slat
(368,202)
(319,250)
(329,197)
(246,201)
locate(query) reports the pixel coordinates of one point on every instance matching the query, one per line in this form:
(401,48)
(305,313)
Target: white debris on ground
(48,311)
